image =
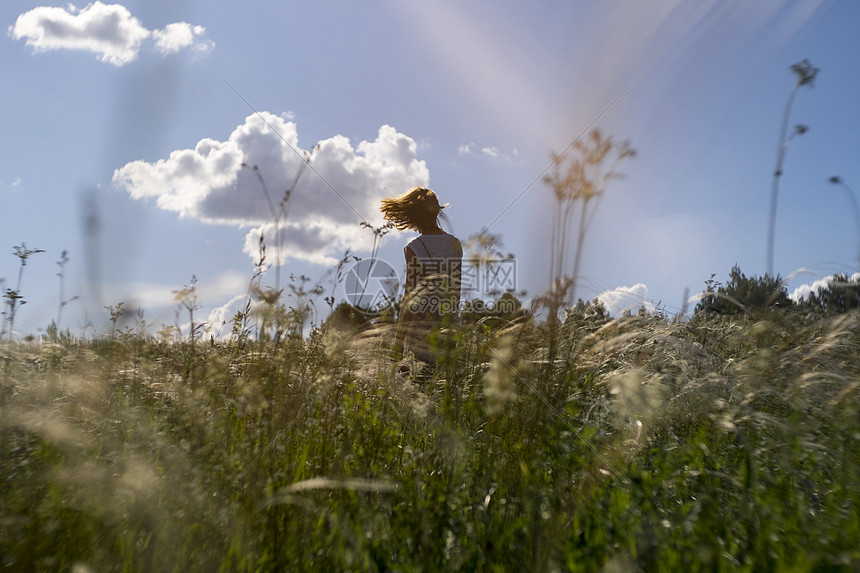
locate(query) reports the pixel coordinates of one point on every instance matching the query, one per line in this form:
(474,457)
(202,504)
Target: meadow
(730,441)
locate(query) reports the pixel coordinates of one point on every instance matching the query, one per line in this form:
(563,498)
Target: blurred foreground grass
(725,443)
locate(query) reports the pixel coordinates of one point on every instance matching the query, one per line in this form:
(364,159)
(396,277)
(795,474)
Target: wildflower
(805,76)
(805,72)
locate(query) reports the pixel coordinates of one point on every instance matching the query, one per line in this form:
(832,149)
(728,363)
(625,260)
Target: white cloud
(320,242)
(803,291)
(16,184)
(339,186)
(108,30)
(229,309)
(624,298)
(488,151)
(179,35)
(220,315)
(173,37)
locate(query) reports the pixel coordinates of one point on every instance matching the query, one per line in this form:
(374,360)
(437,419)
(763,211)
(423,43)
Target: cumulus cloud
(225,313)
(336,185)
(803,291)
(179,35)
(108,30)
(623,298)
(317,241)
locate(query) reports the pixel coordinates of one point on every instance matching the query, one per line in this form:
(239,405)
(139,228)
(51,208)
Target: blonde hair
(416,209)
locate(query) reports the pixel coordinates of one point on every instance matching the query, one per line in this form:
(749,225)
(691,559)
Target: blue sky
(125,126)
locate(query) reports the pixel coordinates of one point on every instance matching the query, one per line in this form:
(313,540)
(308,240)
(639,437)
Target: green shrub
(743,294)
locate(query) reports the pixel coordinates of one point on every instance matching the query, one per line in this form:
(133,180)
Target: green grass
(721,444)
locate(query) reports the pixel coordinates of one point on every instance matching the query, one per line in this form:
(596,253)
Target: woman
(433,264)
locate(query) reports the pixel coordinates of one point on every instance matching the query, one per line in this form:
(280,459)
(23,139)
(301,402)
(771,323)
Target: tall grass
(722,443)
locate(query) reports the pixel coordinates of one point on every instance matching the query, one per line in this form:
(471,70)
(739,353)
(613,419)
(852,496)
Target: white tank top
(443,246)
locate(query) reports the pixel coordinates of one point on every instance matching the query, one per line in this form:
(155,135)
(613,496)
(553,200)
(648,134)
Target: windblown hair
(416,209)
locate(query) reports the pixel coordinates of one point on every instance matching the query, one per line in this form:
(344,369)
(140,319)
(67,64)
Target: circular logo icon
(371,284)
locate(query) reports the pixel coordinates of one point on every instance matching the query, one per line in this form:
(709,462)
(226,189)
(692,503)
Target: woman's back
(436,246)
(433,275)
